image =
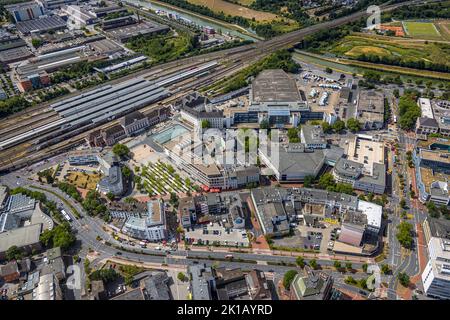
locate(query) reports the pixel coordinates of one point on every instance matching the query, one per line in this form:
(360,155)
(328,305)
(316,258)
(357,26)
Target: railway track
(19,156)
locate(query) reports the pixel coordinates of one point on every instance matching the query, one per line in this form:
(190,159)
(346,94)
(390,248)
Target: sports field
(422,30)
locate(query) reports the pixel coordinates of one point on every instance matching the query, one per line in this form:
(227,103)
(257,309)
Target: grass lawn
(423,30)
(355,45)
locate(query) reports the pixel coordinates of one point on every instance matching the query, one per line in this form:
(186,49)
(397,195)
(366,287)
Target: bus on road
(65,215)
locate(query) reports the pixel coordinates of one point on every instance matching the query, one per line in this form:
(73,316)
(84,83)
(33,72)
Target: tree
(60,236)
(106,275)
(288,278)
(365,266)
(337,264)
(173,199)
(326,180)
(348,265)
(264,124)
(181,276)
(326,127)
(110,196)
(93,204)
(403,203)
(121,150)
(433,210)
(36,42)
(338,126)
(126,171)
(293,135)
(404,236)
(205,124)
(385,269)
(180,230)
(313,263)
(300,262)
(308,181)
(403,278)
(14,253)
(353,125)
(328,70)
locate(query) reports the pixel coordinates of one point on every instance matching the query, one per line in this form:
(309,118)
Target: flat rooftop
(428,177)
(219,233)
(274,86)
(425,107)
(435,156)
(365,152)
(41,24)
(20,237)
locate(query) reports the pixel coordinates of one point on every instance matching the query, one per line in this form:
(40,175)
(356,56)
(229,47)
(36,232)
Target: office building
(436,275)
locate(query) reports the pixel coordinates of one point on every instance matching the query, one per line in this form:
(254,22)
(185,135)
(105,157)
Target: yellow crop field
(235,10)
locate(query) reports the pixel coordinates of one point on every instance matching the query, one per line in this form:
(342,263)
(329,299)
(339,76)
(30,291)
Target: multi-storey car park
(104,104)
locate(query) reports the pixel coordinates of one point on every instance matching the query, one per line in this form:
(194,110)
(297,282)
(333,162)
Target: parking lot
(210,234)
(307,238)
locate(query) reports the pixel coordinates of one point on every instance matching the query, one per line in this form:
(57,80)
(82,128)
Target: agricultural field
(161,179)
(355,45)
(236,10)
(244,2)
(444,28)
(422,30)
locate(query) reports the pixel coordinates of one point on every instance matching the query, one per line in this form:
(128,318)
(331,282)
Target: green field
(353,46)
(422,30)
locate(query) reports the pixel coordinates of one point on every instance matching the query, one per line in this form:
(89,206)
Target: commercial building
(113,182)
(202,282)
(436,275)
(184,151)
(258,286)
(78,16)
(364,165)
(270,211)
(431,159)
(292,162)
(153,227)
(312,285)
(26,238)
(134,123)
(277,207)
(122,210)
(441,112)
(25,11)
(231,284)
(56,4)
(41,25)
(312,136)
(9,272)
(275,97)
(77,158)
(113,134)
(13,49)
(370,109)
(426,124)
(125,29)
(193,110)
(48,288)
